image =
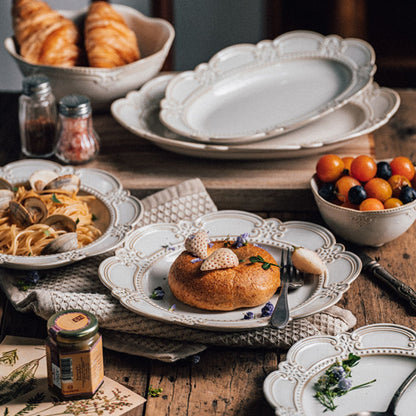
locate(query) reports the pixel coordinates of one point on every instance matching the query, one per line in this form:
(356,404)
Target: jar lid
(74,106)
(72,325)
(36,84)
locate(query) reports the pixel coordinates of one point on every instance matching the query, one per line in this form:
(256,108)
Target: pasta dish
(51,219)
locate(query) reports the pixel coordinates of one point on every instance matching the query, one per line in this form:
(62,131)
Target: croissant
(44,36)
(109,42)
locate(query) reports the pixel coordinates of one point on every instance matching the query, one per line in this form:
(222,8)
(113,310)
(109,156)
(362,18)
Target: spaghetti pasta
(32,240)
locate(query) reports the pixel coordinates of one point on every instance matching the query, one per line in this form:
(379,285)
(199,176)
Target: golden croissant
(109,42)
(44,36)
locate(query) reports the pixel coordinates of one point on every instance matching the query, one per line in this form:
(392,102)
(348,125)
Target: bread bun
(246,285)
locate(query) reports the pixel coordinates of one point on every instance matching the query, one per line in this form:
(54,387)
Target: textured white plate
(367,111)
(388,354)
(144,261)
(116,210)
(250,92)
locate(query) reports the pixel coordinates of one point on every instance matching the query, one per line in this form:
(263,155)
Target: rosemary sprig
(258,259)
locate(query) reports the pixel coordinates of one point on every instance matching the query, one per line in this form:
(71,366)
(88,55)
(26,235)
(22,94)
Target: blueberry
(249,315)
(267,309)
(407,194)
(32,276)
(357,194)
(327,191)
(383,170)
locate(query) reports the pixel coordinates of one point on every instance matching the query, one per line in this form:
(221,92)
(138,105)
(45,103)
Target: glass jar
(37,117)
(77,140)
(74,354)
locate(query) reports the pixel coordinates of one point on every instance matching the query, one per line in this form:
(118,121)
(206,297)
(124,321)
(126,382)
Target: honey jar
(74,354)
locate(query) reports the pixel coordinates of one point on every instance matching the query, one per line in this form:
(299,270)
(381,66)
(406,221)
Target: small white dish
(143,263)
(388,354)
(104,85)
(247,92)
(116,212)
(366,228)
(138,112)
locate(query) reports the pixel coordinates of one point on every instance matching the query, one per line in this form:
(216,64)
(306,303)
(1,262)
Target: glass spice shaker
(77,140)
(37,117)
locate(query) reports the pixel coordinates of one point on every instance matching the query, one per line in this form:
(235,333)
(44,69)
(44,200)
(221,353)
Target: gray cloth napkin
(78,286)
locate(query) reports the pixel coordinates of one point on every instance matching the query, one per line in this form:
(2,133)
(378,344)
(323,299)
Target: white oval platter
(138,112)
(388,354)
(143,263)
(117,212)
(250,92)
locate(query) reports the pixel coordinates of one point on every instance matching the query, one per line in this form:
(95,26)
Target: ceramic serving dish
(366,228)
(104,85)
(138,112)
(387,352)
(115,210)
(143,263)
(247,92)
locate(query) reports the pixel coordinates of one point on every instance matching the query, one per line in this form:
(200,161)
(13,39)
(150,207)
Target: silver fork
(288,277)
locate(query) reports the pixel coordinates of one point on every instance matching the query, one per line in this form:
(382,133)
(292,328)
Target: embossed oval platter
(247,92)
(143,263)
(138,112)
(116,212)
(387,353)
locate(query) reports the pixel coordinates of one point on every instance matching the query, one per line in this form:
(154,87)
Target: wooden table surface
(226,381)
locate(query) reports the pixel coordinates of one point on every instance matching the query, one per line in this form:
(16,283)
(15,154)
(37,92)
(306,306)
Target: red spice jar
(37,117)
(77,140)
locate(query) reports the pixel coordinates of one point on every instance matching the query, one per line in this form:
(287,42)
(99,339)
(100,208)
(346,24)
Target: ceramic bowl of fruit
(365,201)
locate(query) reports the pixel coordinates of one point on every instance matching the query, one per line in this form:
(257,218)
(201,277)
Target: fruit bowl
(366,228)
(104,85)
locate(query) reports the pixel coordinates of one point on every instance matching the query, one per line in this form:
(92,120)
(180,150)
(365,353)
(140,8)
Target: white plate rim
(133,288)
(356,55)
(368,340)
(141,103)
(124,209)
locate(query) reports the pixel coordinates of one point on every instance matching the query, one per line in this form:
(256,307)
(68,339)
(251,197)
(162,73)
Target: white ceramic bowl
(104,85)
(366,228)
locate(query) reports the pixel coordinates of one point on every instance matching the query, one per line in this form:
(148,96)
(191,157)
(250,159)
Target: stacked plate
(300,94)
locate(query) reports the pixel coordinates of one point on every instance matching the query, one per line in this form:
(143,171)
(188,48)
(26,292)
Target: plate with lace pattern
(142,265)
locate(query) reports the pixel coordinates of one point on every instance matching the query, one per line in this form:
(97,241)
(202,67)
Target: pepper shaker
(77,140)
(37,117)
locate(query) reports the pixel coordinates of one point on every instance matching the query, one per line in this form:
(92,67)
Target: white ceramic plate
(144,261)
(117,212)
(251,92)
(388,354)
(139,113)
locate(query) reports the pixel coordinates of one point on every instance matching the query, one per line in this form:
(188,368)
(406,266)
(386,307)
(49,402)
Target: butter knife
(374,268)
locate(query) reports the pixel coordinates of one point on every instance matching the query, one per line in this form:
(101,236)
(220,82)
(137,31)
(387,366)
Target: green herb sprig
(154,392)
(258,259)
(336,382)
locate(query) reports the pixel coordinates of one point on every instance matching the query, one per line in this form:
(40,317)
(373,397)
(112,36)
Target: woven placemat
(78,286)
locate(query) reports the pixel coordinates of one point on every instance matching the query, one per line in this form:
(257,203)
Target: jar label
(72,321)
(76,373)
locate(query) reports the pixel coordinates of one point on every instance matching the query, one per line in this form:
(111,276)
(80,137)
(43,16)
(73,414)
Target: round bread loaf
(245,285)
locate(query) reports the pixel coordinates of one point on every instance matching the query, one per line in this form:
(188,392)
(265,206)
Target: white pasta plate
(143,263)
(248,92)
(115,212)
(388,354)
(138,112)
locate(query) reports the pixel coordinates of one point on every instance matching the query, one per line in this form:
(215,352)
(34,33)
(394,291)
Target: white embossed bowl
(366,228)
(104,85)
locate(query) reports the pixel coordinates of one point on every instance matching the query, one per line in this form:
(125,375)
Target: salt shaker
(37,117)
(77,140)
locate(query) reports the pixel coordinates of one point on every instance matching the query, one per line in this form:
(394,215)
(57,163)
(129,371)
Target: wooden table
(226,381)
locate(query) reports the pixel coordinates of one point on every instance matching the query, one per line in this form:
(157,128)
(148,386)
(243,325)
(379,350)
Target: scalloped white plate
(367,111)
(388,354)
(247,92)
(116,210)
(143,263)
